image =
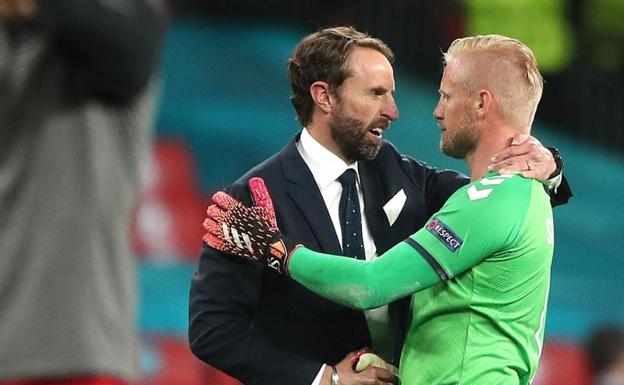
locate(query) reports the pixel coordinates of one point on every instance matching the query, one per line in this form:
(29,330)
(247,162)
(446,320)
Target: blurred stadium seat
(167,224)
(563,363)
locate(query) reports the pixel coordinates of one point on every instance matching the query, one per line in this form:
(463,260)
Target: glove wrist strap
(278,253)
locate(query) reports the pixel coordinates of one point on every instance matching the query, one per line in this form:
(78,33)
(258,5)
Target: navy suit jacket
(262,328)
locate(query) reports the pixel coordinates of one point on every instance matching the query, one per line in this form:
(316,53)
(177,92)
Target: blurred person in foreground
(605,348)
(75,117)
(245,319)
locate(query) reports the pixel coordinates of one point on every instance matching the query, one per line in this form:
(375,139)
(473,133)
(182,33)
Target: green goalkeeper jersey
(479,272)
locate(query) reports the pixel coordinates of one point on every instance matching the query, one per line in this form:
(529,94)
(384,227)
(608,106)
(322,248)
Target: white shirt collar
(325,166)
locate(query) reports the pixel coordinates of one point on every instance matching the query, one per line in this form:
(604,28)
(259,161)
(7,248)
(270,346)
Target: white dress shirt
(326,167)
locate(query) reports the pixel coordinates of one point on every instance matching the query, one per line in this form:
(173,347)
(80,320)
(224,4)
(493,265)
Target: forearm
(116,43)
(360,284)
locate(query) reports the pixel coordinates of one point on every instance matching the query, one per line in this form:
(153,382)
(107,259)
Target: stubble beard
(350,135)
(462,142)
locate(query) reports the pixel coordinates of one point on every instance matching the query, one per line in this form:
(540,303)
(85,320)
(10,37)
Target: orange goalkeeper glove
(248,232)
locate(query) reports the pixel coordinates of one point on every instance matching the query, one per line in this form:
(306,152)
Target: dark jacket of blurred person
(605,348)
(76,106)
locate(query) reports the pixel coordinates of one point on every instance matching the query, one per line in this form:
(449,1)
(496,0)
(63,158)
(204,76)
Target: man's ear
(321,95)
(484,103)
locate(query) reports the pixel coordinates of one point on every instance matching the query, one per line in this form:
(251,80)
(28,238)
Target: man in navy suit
(248,321)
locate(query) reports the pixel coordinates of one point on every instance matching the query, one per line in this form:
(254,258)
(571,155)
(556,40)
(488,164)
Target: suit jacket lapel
(303,190)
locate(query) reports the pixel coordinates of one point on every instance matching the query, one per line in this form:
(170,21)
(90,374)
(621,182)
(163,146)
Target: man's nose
(437,112)
(391,111)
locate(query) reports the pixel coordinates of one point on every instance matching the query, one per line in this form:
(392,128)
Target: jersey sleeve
(482,220)
(359,284)
(462,234)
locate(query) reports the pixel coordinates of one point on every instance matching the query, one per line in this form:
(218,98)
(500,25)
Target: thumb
(262,198)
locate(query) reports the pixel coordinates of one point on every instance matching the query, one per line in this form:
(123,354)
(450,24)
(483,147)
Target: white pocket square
(394,206)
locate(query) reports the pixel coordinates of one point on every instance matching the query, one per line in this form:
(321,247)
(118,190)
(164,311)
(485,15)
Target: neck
(492,141)
(478,162)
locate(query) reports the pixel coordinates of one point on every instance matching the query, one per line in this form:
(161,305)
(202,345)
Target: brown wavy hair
(324,56)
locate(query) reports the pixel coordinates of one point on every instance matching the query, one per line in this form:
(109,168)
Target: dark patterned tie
(350,219)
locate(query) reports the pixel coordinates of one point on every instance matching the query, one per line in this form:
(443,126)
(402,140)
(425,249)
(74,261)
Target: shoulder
(418,171)
(271,170)
(504,184)
(496,203)
(505,191)
(389,155)
(390,159)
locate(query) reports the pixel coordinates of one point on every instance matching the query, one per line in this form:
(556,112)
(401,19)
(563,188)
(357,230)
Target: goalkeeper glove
(248,232)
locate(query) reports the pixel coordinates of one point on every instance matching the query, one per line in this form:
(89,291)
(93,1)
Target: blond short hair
(507,68)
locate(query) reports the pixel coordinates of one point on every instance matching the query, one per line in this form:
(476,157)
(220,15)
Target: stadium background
(225,107)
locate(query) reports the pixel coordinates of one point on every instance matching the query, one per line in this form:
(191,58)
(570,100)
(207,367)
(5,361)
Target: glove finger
(262,198)
(226,245)
(224,200)
(214,242)
(217,223)
(213,227)
(216,213)
(223,244)
(216,231)
(223,225)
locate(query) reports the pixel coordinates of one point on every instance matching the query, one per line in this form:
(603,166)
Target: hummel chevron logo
(495,180)
(475,194)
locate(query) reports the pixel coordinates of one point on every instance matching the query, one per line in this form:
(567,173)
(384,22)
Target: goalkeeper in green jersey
(479,270)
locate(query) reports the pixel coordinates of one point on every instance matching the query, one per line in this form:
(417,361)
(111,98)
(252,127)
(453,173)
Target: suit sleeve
(114,45)
(438,185)
(225,293)
(562,194)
